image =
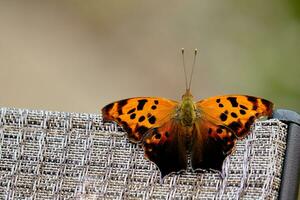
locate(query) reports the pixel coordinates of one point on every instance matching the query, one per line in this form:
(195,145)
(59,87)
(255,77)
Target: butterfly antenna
(194,63)
(184,68)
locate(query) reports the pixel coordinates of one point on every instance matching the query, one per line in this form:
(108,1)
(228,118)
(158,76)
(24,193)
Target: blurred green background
(77,56)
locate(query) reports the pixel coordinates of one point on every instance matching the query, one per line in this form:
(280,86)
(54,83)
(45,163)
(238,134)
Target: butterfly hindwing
(211,143)
(237,112)
(137,115)
(166,147)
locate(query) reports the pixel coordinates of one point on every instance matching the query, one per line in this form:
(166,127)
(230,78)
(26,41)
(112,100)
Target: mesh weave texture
(57,155)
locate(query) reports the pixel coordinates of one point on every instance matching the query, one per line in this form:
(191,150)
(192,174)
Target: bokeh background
(77,56)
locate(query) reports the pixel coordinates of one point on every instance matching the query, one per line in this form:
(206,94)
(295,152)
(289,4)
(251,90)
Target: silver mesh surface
(57,155)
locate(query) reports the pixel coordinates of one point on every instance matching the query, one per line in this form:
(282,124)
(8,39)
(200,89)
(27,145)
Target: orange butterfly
(168,130)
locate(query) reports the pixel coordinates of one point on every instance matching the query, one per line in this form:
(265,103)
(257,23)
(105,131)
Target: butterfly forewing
(138,115)
(237,112)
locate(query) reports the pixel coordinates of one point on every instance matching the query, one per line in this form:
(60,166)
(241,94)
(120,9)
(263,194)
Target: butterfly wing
(137,115)
(222,120)
(166,147)
(237,112)
(151,121)
(211,143)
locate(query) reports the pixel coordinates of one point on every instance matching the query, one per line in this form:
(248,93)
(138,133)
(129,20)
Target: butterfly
(169,130)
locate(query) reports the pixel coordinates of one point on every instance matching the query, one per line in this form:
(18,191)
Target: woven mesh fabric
(57,155)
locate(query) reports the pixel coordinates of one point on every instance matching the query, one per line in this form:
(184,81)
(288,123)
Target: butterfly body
(187,110)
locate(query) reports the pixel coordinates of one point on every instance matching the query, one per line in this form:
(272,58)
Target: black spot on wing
(153,107)
(234,115)
(243,107)
(233,101)
(253,100)
(131,111)
(132,116)
(242,112)
(141,104)
(156,102)
(152,119)
(218,100)
(142,118)
(142,129)
(221,105)
(223,117)
(235,126)
(120,105)
(254,107)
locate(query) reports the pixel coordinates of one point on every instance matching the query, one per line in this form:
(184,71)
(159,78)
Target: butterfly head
(187,95)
